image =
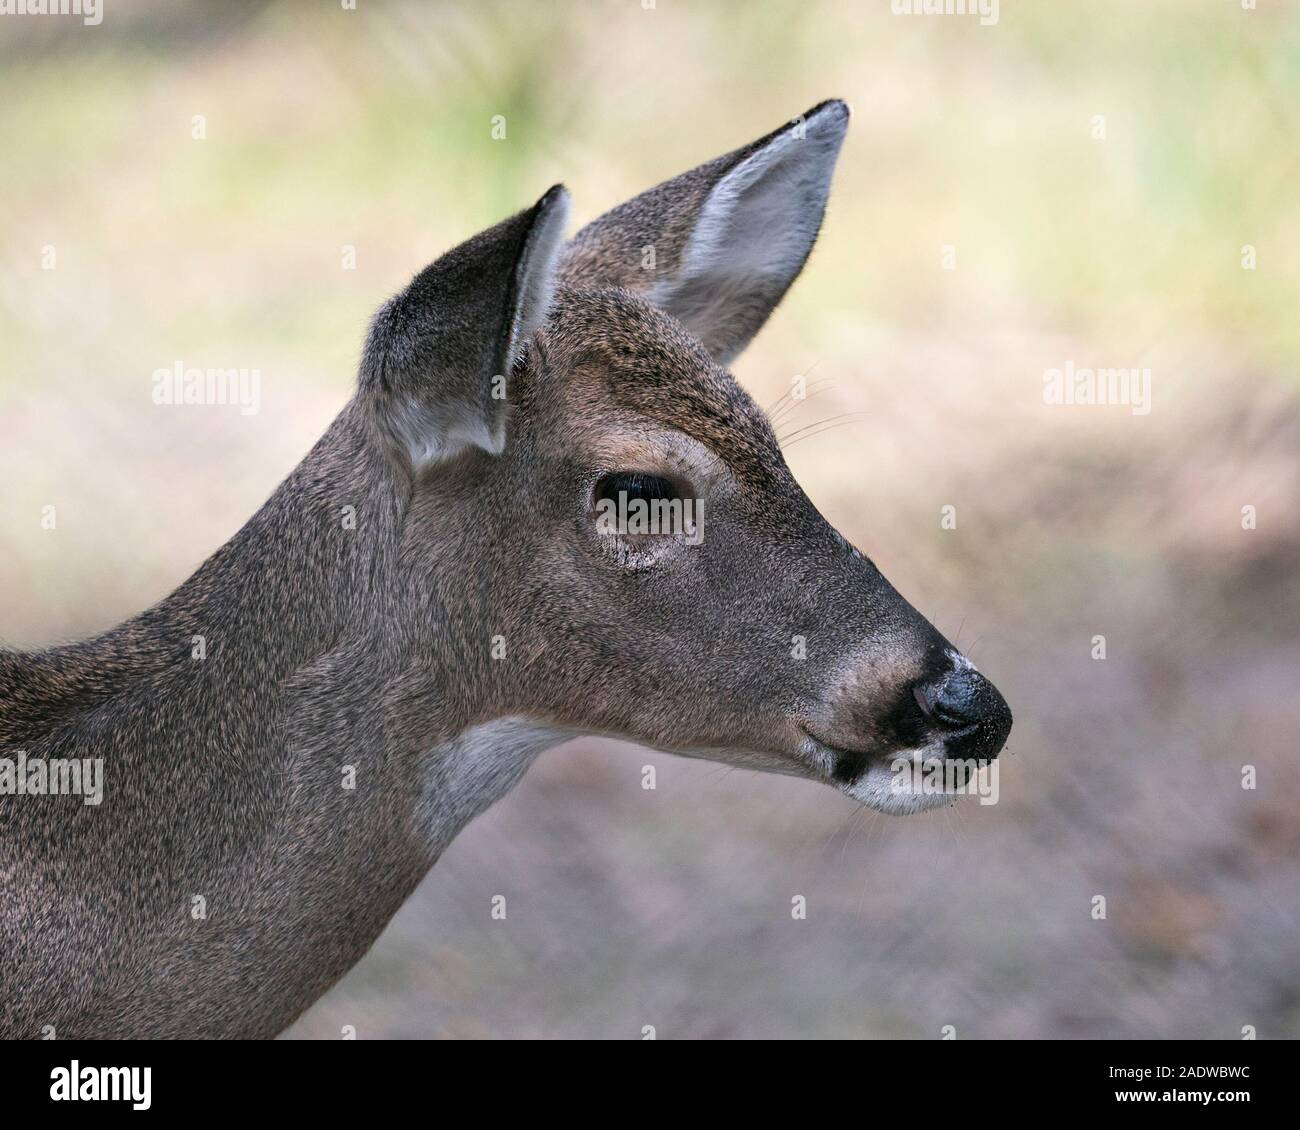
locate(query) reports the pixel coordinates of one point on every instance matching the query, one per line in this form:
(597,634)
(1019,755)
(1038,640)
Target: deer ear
(439,354)
(718,247)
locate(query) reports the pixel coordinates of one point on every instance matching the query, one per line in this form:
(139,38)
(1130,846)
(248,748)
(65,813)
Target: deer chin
(890,784)
(900,783)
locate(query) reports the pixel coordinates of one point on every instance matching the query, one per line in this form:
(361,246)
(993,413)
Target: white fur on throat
(472,771)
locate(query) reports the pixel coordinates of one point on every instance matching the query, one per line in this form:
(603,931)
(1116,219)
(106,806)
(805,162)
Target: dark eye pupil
(635,485)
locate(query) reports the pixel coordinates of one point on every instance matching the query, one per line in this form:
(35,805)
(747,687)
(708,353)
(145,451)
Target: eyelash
(635,485)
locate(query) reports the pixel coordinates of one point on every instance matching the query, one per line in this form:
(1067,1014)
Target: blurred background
(1078,182)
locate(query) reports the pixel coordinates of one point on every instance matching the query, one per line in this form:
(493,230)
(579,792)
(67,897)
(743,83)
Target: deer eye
(634,485)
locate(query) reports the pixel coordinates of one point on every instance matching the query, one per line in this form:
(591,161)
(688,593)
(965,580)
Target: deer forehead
(630,380)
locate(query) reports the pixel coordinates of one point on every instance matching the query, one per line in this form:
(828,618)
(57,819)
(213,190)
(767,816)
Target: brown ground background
(671,908)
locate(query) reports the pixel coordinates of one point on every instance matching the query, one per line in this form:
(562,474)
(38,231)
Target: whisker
(810,393)
(811,435)
(824,420)
(810,430)
(788,400)
(848,838)
(803,374)
(836,829)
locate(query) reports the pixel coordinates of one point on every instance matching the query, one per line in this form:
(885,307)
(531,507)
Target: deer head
(523,405)
(533,394)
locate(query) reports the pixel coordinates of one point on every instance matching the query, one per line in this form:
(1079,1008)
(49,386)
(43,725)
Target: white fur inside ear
(431,434)
(753,233)
(535,274)
(439,430)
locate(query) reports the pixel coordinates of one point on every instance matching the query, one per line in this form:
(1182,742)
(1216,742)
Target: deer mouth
(843,766)
(840,764)
(896,781)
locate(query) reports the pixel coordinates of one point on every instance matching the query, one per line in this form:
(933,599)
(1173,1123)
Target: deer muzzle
(967,712)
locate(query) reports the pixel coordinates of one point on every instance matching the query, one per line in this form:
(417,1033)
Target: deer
(427,603)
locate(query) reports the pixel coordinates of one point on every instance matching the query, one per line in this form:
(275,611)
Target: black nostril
(967,705)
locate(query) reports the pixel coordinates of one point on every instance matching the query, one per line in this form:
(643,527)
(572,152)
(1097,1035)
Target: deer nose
(969,710)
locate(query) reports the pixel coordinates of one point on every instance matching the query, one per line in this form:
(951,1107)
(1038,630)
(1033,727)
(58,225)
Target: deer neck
(279,741)
(321,623)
